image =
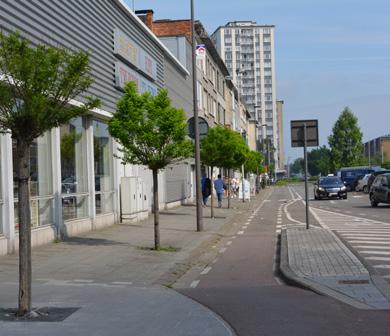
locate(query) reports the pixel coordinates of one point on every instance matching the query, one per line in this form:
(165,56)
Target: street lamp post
(238,72)
(199,214)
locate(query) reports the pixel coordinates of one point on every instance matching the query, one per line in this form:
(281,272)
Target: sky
(329,54)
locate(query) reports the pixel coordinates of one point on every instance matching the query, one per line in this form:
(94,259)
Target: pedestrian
(220,187)
(206,188)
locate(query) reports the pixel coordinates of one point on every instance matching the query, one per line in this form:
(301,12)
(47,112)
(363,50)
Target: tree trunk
(23,174)
(156,211)
(212,196)
(229,188)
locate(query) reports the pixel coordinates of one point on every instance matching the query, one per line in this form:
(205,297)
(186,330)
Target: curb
(310,284)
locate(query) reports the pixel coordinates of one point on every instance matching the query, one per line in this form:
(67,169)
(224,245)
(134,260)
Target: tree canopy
(151,131)
(38,84)
(319,161)
(346,141)
(253,162)
(223,147)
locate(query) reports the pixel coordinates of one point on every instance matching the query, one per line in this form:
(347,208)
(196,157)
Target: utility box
(134,201)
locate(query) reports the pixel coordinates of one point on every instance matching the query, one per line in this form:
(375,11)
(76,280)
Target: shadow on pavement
(90,241)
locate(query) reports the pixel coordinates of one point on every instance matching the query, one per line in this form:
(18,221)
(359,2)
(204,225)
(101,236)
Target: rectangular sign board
(297,133)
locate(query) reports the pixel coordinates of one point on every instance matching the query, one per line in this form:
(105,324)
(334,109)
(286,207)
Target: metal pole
(306,189)
(199,214)
(243,185)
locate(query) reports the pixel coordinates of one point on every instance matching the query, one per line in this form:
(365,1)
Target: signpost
(304,133)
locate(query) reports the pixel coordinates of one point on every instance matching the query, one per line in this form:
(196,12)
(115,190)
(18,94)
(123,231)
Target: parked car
(373,175)
(330,186)
(362,184)
(380,190)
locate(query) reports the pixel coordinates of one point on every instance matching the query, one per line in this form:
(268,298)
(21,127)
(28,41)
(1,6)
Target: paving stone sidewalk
(316,258)
(121,286)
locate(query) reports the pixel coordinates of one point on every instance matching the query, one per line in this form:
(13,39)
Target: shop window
(103,159)
(74,169)
(41,182)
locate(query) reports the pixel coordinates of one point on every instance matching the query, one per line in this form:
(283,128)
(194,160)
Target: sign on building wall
(123,74)
(129,51)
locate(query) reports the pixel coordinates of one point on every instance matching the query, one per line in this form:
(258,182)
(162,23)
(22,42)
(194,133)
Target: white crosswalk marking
(369,238)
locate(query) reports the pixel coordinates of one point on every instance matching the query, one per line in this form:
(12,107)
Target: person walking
(219,189)
(206,188)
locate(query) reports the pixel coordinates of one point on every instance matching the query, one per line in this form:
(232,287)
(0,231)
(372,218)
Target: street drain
(353,282)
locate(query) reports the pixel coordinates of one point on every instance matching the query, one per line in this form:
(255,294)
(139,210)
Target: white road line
(82,281)
(368,242)
(371,247)
(240,232)
(222,250)
(375,252)
(194,284)
(244,227)
(378,258)
(363,235)
(128,283)
(215,260)
(278,231)
(234,237)
(372,238)
(229,243)
(382,266)
(206,270)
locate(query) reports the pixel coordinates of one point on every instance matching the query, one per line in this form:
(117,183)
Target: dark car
(380,190)
(373,176)
(330,186)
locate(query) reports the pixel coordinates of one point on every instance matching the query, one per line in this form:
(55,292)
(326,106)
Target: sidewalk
(119,284)
(317,259)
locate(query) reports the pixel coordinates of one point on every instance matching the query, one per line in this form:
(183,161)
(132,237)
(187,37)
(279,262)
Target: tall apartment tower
(249,54)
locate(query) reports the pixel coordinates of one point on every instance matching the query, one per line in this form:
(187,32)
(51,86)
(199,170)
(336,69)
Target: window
(102,148)
(74,185)
(41,185)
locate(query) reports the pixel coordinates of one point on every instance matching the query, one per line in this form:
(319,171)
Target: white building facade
(249,54)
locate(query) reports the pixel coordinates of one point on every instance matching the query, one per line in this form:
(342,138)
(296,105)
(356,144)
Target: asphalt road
(357,204)
(241,285)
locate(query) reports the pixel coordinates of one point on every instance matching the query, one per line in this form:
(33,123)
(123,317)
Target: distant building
(377,151)
(248,52)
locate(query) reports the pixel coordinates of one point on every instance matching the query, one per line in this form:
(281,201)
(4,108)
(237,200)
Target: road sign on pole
(304,133)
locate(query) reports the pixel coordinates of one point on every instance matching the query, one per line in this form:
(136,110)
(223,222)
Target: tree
(36,88)
(235,152)
(152,133)
(319,161)
(386,165)
(297,167)
(346,141)
(253,162)
(225,148)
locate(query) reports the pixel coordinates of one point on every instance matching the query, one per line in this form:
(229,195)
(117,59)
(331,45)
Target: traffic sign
(203,127)
(297,133)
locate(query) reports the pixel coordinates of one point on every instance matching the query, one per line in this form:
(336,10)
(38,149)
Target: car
(330,186)
(373,175)
(380,190)
(362,184)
